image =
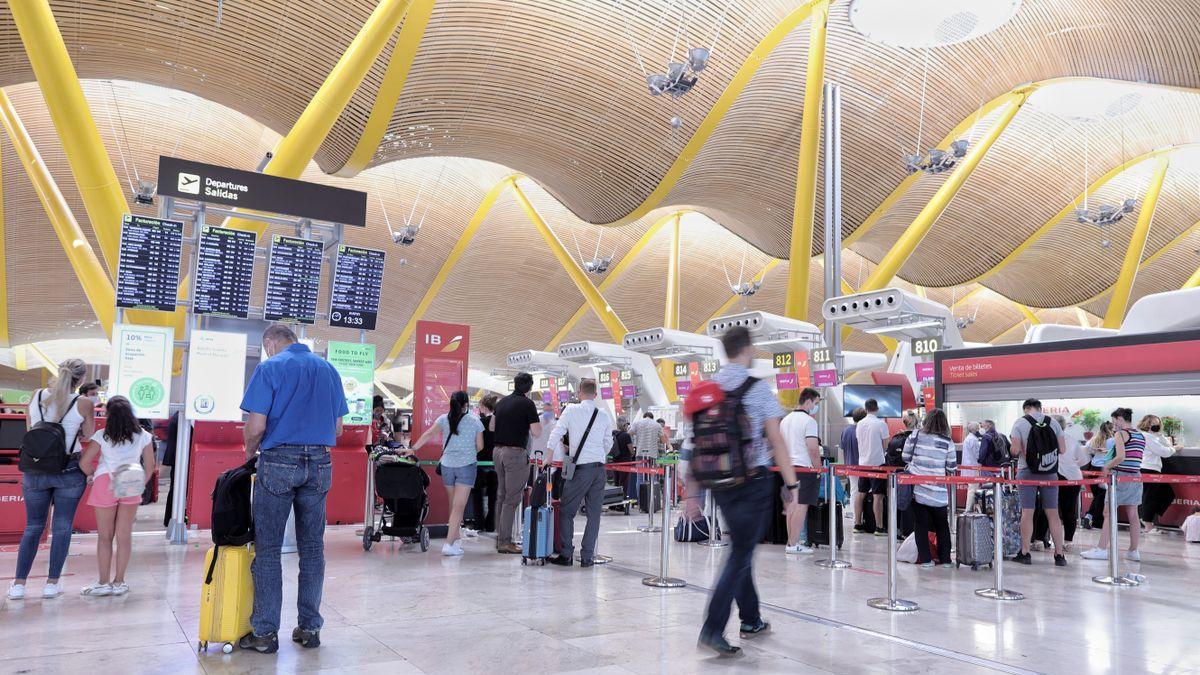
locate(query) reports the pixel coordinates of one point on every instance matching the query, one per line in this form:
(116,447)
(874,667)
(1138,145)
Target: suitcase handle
(212,565)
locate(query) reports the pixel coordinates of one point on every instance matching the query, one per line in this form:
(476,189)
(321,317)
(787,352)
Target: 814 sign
(926,346)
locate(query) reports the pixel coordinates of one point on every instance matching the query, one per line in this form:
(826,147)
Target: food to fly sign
(141,368)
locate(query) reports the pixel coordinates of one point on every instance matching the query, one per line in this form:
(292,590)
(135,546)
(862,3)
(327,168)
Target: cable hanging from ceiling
(598,265)
(743,287)
(933,160)
(407,234)
(1105,215)
(682,71)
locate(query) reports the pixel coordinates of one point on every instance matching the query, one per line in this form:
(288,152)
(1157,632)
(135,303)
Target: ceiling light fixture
(682,71)
(929,23)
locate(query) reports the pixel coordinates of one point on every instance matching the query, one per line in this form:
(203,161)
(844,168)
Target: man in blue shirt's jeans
(294,405)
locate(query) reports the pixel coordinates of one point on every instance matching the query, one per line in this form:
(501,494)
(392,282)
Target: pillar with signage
(441,354)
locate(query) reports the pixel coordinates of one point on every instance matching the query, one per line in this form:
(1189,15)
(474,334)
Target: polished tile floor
(396,610)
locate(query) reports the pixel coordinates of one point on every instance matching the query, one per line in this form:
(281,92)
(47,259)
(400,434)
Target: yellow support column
(96,284)
(4,341)
(671,314)
(1194,280)
(800,253)
(98,184)
(1119,301)
(595,300)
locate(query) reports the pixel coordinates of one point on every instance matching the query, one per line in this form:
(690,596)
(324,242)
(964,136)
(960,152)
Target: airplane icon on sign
(189,183)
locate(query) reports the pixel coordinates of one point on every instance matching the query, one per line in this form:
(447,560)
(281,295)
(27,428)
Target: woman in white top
(56,403)
(1156,497)
(126,455)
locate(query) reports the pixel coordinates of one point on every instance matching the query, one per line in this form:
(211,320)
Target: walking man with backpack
(735,427)
(294,405)
(1037,442)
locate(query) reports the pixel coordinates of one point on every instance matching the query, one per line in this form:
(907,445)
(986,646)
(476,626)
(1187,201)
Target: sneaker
(880,533)
(263,644)
(1095,554)
(749,630)
(948,565)
(309,639)
(120,589)
(720,645)
(16,592)
(1023,558)
(452,549)
(1134,556)
(798,548)
(468,533)
(1060,561)
(861,529)
(96,590)
(52,590)
(1087,522)
(929,564)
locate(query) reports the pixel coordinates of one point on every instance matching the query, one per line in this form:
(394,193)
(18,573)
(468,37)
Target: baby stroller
(401,500)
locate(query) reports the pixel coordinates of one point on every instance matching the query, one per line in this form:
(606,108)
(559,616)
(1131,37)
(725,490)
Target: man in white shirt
(589,447)
(872,435)
(970,457)
(800,433)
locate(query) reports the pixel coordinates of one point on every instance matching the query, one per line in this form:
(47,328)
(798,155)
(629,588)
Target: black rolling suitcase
(817,525)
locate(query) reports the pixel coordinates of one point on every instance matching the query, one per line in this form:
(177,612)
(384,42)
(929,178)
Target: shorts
(102,497)
(807,494)
(459,475)
(1029,493)
(1128,494)
(875,486)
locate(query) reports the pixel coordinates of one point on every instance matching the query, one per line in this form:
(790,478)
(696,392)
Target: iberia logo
(453,345)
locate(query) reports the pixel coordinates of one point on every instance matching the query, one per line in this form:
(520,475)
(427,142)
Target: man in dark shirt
(622,452)
(516,417)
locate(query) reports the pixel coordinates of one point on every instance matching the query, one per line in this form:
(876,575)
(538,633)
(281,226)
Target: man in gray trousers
(588,430)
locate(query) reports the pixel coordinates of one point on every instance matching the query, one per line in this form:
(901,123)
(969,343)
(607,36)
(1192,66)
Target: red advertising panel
(694,372)
(1161,357)
(614,380)
(440,370)
(930,402)
(554,393)
(803,370)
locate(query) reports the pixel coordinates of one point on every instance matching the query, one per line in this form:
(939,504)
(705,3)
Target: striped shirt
(930,455)
(1135,447)
(760,404)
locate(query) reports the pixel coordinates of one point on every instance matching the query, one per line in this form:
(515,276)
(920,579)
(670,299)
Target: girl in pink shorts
(124,449)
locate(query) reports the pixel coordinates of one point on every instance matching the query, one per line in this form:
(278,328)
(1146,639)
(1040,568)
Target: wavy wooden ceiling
(552,88)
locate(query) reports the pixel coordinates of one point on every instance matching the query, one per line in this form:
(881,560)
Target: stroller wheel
(368,537)
(424,538)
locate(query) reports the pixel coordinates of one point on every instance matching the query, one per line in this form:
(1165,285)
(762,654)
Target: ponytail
(70,375)
(459,402)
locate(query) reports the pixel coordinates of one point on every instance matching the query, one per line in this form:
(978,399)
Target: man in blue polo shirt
(294,405)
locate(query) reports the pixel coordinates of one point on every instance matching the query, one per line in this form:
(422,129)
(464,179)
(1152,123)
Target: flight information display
(224,272)
(357,284)
(148,271)
(293,280)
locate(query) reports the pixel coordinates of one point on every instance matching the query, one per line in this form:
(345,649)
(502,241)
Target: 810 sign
(926,346)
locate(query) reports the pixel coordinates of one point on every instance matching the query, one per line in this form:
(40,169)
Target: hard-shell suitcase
(226,596)
(1010,517)
(817,524)
(536,541)
(974,545)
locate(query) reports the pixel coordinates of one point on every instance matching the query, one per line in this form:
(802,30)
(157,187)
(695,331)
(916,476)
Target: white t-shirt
(872,434)
(113,455)
(797,427)
(71,423)
(1191,528)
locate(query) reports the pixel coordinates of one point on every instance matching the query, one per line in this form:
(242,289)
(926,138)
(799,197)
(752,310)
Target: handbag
(568,464)
(445,443)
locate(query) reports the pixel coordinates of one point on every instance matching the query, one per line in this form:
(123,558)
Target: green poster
(16,395)
(355,362)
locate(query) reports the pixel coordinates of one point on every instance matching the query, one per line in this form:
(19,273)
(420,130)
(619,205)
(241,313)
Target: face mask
(815,408)
(1156,428)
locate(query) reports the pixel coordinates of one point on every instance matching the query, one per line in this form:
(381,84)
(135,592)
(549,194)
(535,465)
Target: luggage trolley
(401,499)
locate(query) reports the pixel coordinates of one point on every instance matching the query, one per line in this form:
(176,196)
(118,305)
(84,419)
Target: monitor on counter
(887,396)
(11,433)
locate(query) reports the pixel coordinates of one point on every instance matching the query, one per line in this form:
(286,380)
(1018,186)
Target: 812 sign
(926,346)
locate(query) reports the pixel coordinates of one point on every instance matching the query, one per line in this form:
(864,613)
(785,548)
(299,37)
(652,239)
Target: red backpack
(722,441)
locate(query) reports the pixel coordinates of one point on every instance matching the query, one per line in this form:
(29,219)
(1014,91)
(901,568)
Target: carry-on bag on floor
(1010,518)
(975,542)
(644,495)
(227,596)
(537,535)
(691,530)
(817,524)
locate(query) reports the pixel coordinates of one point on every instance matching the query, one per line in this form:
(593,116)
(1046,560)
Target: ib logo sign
(189,183)
(451,346)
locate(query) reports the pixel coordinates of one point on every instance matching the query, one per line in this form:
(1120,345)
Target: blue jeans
(746,512)
(63,490)
(299,477)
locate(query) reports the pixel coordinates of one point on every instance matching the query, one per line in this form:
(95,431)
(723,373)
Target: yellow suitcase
(227,596)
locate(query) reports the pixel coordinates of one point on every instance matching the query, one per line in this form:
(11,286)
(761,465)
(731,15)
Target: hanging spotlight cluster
(745,288)
(681,76)
(935,160)
(143,193)
(406,235)
(597,266)
(1105,215)
(964,321)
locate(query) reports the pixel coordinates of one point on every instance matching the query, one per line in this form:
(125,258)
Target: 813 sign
(926,346)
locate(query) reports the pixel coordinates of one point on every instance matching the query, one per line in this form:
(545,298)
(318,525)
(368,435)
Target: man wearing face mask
(799,430)
(294,405)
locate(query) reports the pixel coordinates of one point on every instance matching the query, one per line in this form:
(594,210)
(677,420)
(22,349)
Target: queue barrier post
(1114,577)
(714,528)
(891,603)
(650,526)
(832,502)
(662,580)
(997,592)
(952,514)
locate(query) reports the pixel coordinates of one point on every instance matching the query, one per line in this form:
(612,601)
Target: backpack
(993,450)
(1041,448)
(129,480)
(722,441)
(44,446)
(232,519)
(894,455)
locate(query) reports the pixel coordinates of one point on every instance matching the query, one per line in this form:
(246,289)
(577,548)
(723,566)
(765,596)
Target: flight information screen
(357,284)
(224,272)
(148,271)
(293,280)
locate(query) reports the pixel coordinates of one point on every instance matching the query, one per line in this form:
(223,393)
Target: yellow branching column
(1119,301)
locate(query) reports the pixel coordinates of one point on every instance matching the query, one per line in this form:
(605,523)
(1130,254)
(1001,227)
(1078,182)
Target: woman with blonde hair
(60,404)
(1099,447)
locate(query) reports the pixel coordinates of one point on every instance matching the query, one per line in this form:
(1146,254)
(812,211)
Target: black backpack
(44,445)
(894,455)
(993,450)
(722,442)
(1041,449)
(232,519)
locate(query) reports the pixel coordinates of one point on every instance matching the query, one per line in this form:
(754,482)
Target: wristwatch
(794,486)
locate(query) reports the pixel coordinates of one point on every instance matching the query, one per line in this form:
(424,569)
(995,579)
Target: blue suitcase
(537,543)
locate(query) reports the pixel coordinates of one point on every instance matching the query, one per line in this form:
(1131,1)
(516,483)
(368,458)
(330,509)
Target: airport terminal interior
(954,243)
